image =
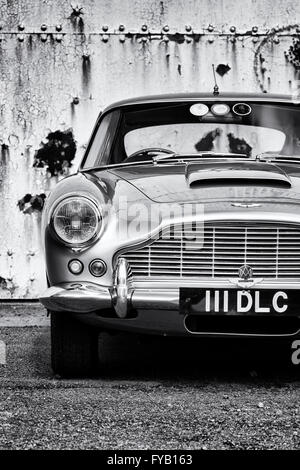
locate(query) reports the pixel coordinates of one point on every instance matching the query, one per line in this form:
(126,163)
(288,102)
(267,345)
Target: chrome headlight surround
(95,233)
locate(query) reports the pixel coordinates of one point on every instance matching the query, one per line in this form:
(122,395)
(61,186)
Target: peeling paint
(57,153)
(3,283)
(222,69)
(32,203)
(293,53)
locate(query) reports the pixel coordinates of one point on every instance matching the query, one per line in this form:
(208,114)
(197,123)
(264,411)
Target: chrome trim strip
(209,283)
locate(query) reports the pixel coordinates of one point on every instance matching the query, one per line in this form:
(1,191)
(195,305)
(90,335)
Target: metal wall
(60,63)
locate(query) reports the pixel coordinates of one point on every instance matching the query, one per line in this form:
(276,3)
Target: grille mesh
(219,250)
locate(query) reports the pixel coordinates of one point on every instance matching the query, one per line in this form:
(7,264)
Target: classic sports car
(183,219)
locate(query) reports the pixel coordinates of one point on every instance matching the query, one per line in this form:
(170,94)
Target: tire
(74,346)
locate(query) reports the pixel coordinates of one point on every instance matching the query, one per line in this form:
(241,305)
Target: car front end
(183,220)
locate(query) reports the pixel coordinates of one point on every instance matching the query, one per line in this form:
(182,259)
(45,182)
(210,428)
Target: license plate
(238,301)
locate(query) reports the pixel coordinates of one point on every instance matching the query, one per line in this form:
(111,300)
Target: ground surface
(158,394)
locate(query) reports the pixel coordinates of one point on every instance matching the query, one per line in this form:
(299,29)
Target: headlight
(76,220)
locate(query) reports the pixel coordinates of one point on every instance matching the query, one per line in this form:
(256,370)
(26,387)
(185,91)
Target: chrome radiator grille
(219,250)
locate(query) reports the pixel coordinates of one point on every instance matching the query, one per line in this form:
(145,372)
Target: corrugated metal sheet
(61,63)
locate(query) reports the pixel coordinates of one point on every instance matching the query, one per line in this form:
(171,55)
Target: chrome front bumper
(123,296)
(87,297)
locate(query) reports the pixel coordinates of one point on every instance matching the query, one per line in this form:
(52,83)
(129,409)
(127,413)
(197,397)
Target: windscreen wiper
(276,157)
(205,154)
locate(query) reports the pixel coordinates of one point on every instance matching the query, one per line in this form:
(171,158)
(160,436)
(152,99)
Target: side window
(101,146)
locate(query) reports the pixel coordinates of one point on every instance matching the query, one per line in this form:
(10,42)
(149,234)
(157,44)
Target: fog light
(75,266)
(97,267)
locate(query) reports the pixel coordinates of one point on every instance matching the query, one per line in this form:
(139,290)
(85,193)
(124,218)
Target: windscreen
(134,133)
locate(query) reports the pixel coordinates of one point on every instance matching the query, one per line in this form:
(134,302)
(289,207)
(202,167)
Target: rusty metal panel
(60,63)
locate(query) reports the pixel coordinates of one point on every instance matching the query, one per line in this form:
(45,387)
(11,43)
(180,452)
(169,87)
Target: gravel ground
(157,394)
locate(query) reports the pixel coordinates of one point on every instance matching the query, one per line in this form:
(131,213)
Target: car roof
(181,97)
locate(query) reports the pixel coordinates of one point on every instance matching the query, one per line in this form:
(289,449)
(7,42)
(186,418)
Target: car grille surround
(218,250)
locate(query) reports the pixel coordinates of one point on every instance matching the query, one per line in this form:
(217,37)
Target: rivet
(105,27)
(144,39)
(211,40)
(20,37)
(232,29)
(10,252)
(188,28)
(144,27)
(121,27)
(122,38)
(105,37)
(188,39)
(44,37)
(59,37)
(85,56)
(166,28)
(58,27)
(165,38)
(276,40)
(210,28)
(75,100)
(233,40)
(43,27)
(254,29)
(254,40)
(21,27)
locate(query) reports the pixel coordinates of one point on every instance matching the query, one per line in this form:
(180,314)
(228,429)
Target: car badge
(245,272)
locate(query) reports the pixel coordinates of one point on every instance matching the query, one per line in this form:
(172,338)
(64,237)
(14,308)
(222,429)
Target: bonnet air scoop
(236,173)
